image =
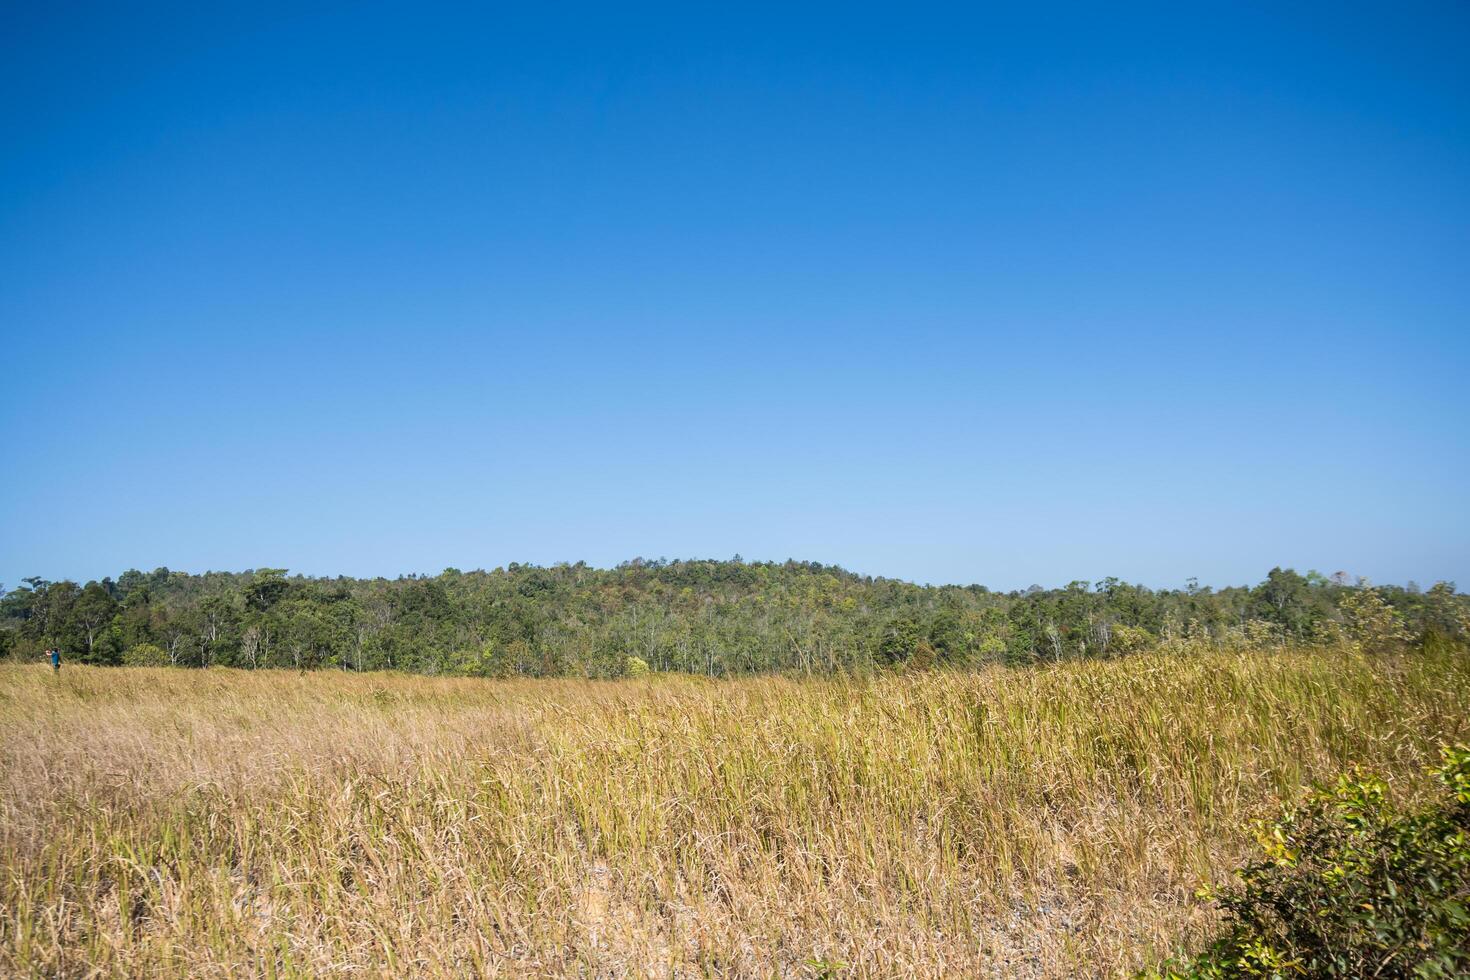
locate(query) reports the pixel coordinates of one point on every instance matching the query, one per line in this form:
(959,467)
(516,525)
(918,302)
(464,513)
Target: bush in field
(1372,622)
(145,655)
(1351,887)
(635,667)
(992,648)
(924,657)
(1127,639)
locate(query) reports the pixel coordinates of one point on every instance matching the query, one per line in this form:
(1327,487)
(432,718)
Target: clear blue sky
(1010,295)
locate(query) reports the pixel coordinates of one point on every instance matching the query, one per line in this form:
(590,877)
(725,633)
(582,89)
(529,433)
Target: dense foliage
(1351,887)
(700,616)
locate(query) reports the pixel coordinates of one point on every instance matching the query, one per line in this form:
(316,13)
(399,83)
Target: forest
(711,617)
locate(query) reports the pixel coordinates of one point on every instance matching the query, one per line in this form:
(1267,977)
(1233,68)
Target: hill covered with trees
(699,616)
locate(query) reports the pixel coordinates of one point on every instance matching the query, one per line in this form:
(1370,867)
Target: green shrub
(1351,887)
(1129,639)
(145,655)
(635,667)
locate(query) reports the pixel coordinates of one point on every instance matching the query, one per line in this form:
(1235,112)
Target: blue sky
(1008,295)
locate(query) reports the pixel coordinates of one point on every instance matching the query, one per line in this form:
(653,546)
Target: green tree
(1286,599)
(899,639)
(90,616)
(268,587)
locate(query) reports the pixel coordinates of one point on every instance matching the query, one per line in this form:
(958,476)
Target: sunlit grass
(1049,821)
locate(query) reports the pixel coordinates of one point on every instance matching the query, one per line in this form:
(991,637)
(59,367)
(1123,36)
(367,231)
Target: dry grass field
(1037,822)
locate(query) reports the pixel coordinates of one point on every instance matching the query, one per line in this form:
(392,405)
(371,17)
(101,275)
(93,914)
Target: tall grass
(1052,822)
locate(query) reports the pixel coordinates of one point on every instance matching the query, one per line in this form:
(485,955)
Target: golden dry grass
(1047,822)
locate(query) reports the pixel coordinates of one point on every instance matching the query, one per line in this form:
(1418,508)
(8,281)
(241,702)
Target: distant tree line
(700,616)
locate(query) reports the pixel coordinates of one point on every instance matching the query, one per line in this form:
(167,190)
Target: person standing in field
(55,660)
